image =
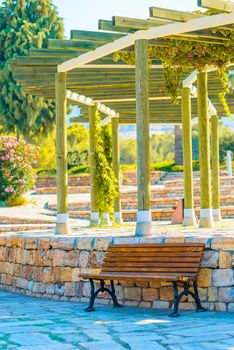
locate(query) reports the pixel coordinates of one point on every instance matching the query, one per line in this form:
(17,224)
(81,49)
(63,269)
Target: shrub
(16,172)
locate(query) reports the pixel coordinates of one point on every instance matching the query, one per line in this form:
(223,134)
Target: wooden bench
(178,263)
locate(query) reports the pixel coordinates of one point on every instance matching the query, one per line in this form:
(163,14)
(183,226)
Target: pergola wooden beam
(151,33)
(220,5)
(171,15)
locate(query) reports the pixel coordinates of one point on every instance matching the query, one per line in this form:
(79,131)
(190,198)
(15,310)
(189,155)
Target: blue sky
(84,14)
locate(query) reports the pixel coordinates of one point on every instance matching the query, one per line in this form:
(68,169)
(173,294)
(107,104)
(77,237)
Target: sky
(84,14)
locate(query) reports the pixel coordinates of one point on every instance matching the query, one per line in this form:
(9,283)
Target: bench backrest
(164,259)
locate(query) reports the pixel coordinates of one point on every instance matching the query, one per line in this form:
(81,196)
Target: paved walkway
(39,324)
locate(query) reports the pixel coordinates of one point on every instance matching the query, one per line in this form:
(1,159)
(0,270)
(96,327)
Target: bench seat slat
(114,260)
(153,254)
(151,269)
(150,264)
(139,276)
(157,249)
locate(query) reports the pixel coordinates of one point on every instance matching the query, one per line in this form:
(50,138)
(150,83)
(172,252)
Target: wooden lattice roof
(113,84)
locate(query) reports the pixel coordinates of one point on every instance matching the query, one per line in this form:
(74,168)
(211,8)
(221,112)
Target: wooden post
(115,160)
(144,224)
(206,217)
(215,167)
(189,214)
(94,216)
(62,225)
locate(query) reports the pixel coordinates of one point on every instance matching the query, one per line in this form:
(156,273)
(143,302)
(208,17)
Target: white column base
(106,219)
(62,224)
(206,218)
(118,217)
(217,215)
(189,218)
(94,219)
(144,225)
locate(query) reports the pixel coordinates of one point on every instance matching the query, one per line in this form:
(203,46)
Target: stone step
(6,220)
(157,214)
(24,227)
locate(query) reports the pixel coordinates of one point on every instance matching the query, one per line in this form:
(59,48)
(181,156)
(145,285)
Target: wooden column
(94,216)
(62,225)
(144,226)
(215,167)
(189,215)
(115,160)
(206,217)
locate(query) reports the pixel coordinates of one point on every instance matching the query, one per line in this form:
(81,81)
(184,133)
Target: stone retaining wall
(50,267)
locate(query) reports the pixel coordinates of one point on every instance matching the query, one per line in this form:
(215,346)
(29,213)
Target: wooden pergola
(82,70)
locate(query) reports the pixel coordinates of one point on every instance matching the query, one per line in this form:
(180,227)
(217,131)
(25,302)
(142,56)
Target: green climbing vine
(104,181)
(182,56)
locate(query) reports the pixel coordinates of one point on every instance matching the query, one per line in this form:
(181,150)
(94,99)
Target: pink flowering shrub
(16,172)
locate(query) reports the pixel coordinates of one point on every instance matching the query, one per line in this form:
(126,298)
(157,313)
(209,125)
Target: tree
(77,145)
(128,151)
(25,24)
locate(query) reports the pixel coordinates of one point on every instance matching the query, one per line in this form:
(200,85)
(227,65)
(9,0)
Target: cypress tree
(25,24)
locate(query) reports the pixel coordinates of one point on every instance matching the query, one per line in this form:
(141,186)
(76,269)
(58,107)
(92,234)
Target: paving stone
(28,323)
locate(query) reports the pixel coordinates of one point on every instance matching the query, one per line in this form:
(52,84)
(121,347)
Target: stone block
(210,259)
(223,277)
(226,294)
(219,306)
(75,274)
(155,284)
(231,307)
(131,303)
(204,278)
(70,289)
(158,304)
(50,288)
(222,244)
(102,243)
(208,305)
(143,283)
(225,260)
(187,306)
(31,257)
(41,288)
(166,293)
(44,243)
(132,293)
(71,258)
(86,289)
(175,240)
(62,243)
(84,243)
(145,304)
(56,275)
(47,274)
(84,259)
(128,283)
(58,257)
(149,294)
(66,274)
(119,292)
(21,283)
(59,289)
(195,239)
(212,294)
(31,243)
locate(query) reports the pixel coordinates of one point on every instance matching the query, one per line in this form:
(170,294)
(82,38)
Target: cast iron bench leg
(185,292)
(102,289)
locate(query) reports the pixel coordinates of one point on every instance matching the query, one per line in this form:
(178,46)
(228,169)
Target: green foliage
(16,172)
(25,24)
(171,167)
(128,151)
(162,147)
(80,169)
(104,181)
(181,56)
(226,142)
(77,145)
